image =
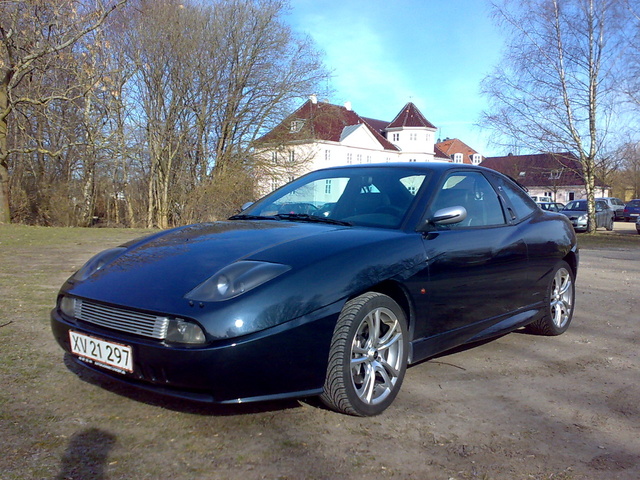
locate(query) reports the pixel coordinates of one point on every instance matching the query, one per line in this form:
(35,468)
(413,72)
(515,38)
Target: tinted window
(577,205)
(472,191)
(522,204)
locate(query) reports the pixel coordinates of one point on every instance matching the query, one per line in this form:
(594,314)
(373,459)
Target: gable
(359,136)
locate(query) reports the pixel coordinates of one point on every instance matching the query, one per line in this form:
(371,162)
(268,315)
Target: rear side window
(522,204)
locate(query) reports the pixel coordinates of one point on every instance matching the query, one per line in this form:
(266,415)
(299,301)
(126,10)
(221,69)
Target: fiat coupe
(386,266)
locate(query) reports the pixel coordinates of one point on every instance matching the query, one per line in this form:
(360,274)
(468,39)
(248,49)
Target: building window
(359,158)
(572,196)
(292,156)
(368,158)
(327,155)
(396,137)
(457,158)
(476,158)
(296,126)
(349,158)
(413,160)
(327,186)
(413,137)
(274,157)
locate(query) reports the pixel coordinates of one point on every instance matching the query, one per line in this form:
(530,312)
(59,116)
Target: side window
(521,202)
(472,191)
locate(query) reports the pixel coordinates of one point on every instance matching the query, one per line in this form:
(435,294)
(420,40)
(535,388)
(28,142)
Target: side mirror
(444,216)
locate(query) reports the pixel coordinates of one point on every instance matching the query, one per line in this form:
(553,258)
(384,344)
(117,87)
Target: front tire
(368,356)
(559,302)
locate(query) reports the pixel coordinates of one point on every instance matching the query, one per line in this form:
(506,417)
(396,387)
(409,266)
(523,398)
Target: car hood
(576,213)
(176,261)
(157,272)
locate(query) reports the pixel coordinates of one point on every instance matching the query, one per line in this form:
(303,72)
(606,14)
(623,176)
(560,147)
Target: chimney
(313,98)
(347,105)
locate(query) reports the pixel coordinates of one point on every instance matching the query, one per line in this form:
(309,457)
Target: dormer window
(475,158)
(457,158)
(296,126)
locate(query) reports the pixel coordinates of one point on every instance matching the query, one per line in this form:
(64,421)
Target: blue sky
(384,54)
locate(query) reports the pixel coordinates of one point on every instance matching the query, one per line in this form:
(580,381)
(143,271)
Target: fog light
(181,331)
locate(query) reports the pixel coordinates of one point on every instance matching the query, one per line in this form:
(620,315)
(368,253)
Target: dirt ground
(517,407)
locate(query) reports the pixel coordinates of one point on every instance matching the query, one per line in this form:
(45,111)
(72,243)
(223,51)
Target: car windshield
(580,205)
(373,196)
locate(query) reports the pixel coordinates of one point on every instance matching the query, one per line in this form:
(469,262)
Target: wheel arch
(399,294)
(572,259)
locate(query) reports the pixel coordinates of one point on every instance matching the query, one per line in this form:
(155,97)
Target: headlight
(583,218)
(236,279)
(97,263)
(182,331)
(68,306)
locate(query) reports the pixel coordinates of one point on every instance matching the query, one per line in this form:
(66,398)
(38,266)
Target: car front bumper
(286,361)
(579,225)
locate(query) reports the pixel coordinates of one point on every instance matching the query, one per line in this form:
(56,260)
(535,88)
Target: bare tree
(32,35)
(209,79)
(555,88)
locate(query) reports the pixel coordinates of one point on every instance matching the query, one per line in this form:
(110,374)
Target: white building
(320,134)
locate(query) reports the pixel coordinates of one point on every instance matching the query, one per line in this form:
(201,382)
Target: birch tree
(555,89)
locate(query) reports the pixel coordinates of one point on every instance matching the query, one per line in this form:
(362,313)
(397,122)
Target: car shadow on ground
(88,375)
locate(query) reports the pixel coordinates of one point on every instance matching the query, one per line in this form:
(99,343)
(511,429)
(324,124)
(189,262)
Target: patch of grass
(609,240)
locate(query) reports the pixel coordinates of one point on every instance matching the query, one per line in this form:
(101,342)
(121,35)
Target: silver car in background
(616,205)
(576,210)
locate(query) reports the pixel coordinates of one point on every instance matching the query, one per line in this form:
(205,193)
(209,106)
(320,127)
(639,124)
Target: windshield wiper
(244,216)
(304,217)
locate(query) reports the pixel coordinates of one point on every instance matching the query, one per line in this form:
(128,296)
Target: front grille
(129,321)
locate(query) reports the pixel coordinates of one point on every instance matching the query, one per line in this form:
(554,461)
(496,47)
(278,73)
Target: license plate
(113,356)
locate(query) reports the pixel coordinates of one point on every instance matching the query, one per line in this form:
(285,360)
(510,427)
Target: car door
(602,213)
(476,268)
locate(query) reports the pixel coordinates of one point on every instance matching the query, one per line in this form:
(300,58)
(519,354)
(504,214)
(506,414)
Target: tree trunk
(5,212)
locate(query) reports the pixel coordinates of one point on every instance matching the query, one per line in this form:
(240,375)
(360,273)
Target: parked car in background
(576,210)
(541,198)
(638,225)
(631,210)
(409,261)
(616,205)
(551,206)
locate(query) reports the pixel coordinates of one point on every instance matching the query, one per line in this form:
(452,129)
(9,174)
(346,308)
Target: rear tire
(609,225)
(559,302)
(368,356)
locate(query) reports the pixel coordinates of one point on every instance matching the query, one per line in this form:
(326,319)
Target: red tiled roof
(322,121)
(452,146)
(379,125)
(440,154)
(542,169)
(410,116)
